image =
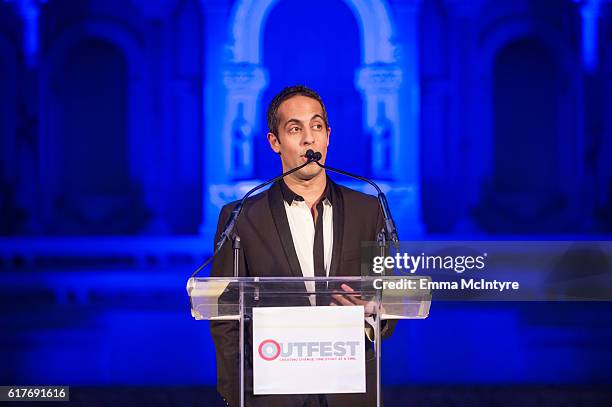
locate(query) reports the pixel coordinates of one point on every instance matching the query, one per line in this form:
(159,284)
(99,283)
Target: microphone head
(312,155)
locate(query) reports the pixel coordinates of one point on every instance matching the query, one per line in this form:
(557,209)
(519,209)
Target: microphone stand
(383,239)
(231,222)
(390,228)
(236,246)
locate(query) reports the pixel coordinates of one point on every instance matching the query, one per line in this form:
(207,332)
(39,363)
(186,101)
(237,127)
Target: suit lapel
(279,215)
(338,211)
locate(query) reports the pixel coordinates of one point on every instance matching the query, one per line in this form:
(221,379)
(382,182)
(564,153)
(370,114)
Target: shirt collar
(289,196)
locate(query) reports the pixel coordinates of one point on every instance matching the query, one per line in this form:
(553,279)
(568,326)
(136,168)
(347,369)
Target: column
(401,84)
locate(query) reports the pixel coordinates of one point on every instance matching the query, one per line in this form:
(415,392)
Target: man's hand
(352,299)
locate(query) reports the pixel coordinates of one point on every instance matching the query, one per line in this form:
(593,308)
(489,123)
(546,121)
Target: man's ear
(274,142)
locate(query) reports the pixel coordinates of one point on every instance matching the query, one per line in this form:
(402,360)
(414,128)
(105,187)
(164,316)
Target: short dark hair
(287,93)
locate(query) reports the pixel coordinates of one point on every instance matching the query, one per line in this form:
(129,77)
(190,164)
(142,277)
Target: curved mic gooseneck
(390,228)
(231,222)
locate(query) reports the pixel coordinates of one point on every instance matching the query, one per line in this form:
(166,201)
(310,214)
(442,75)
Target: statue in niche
(382,144)
(241,144)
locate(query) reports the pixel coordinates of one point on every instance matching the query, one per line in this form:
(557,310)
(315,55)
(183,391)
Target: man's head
(297,122)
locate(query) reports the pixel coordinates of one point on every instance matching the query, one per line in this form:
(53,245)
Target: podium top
(223,298)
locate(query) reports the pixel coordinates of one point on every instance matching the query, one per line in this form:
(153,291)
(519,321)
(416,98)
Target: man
(305,225)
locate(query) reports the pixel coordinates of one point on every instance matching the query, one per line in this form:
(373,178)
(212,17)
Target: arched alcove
(93,119)
(11,217)
(243,78)
(525,95)
(96,194)
(497,203)
(323,59)
(130,214)
(530,146)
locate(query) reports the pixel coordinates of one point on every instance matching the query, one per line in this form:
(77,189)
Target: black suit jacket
(268,251)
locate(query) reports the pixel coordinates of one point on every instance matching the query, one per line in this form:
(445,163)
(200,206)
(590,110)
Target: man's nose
(308,137)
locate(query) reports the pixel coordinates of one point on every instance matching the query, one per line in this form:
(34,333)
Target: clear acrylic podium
(233,299)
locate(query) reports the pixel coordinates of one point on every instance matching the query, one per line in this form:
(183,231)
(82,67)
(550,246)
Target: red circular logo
(269,349)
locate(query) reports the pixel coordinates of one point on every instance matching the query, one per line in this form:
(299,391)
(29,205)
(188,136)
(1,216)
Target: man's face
(300,127)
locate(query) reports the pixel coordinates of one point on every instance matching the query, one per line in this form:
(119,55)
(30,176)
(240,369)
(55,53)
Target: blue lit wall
(126,125)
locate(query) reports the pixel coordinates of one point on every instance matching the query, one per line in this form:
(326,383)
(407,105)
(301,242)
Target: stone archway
(50,71)
(570,143)
(378,79)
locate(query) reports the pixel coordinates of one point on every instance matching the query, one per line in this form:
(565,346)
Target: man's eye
(294,129)
(318,127)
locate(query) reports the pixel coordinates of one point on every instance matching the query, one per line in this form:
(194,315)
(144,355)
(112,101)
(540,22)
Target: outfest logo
(269,350)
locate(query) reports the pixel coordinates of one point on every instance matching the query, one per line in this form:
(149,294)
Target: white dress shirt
(302,228)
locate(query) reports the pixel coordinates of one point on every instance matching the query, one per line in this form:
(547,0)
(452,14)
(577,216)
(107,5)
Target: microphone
(390,228)
(231,222)
(314,156)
